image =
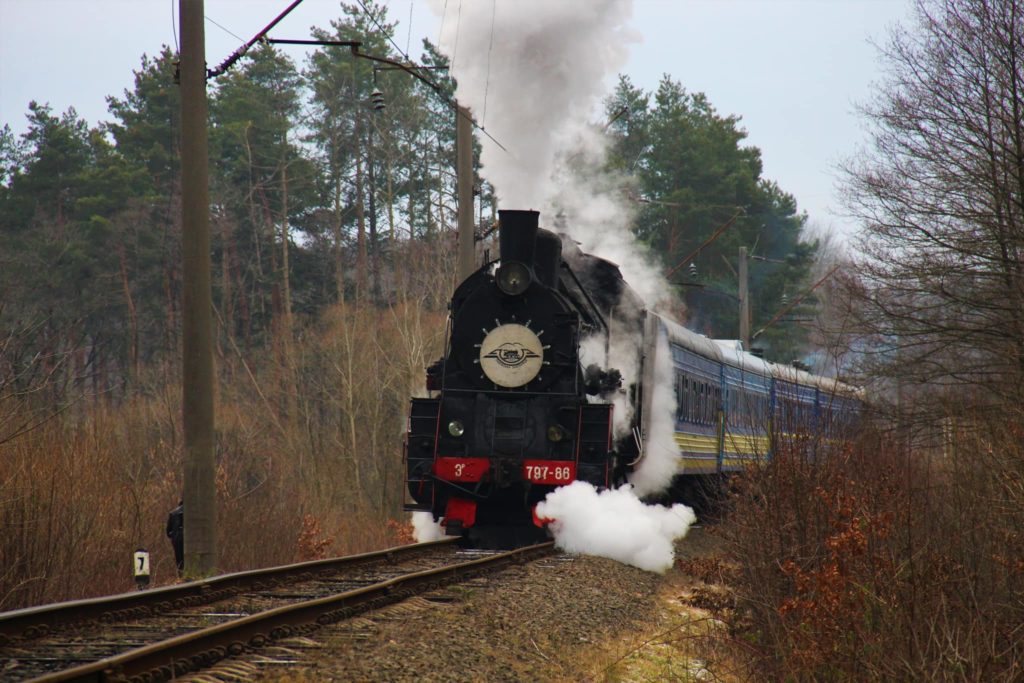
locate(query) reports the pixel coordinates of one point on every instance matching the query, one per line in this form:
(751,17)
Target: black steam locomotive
(526,398)
(514,412)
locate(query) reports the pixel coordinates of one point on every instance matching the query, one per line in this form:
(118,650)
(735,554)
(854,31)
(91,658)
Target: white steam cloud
(614,523)
(425,529)
(534,81)
(593,202)
(623,354)
(661,455)
(531,72)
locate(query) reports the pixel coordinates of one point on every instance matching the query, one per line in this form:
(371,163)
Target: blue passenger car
(730,404)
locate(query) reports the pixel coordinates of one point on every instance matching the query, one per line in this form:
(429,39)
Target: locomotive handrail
(583,291)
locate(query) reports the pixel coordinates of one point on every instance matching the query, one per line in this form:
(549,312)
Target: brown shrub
(401,533)
(874,561)
(312,544)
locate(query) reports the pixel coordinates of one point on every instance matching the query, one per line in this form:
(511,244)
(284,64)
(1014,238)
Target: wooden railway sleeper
(114,674)
(405,594)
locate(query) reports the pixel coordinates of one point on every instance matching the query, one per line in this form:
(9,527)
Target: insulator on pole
(377,99)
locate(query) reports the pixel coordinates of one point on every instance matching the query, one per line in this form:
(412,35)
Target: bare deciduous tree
(940,193)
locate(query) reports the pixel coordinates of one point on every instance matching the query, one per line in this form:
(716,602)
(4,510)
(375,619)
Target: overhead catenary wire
(353,45)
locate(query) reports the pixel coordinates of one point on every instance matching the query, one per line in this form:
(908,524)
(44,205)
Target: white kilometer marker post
(140,564)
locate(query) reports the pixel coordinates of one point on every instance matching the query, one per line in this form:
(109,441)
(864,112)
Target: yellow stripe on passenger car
(697,443)
(699,452)
(746,444)
(698,465)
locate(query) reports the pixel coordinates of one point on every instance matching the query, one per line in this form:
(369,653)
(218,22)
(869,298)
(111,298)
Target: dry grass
(79,499)
(687,638)
(309,462)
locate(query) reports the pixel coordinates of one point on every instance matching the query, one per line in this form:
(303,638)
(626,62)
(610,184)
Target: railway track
(158,634)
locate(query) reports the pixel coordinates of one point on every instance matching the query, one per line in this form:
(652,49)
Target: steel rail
(176,656)
(33,622)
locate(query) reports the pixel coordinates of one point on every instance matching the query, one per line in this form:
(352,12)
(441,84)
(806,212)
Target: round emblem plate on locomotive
(511,355)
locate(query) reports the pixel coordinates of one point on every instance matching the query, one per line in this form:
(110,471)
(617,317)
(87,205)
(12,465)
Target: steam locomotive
(555,371)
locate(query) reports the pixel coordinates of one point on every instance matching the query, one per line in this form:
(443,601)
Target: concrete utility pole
(197,301)
(744,300)
(464,184)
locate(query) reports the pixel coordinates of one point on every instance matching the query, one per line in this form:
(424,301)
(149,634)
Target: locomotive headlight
(513,278)
(556,433)
(456,428)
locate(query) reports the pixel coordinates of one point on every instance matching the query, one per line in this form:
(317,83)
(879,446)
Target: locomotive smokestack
(517,235)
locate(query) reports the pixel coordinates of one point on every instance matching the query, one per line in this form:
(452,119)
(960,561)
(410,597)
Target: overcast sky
(792,69)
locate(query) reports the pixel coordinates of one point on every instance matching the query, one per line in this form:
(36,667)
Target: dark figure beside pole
(176,532)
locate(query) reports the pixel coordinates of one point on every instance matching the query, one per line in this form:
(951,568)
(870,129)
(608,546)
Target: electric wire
(455,48)
(409,67)
(440,31)
(490,46)
(408,34)
(240,52)
(451,66)
(174,30)
(222,28)
(383,32)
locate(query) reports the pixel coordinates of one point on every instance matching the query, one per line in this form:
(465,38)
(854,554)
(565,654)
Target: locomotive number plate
(461,469)
(553,472)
